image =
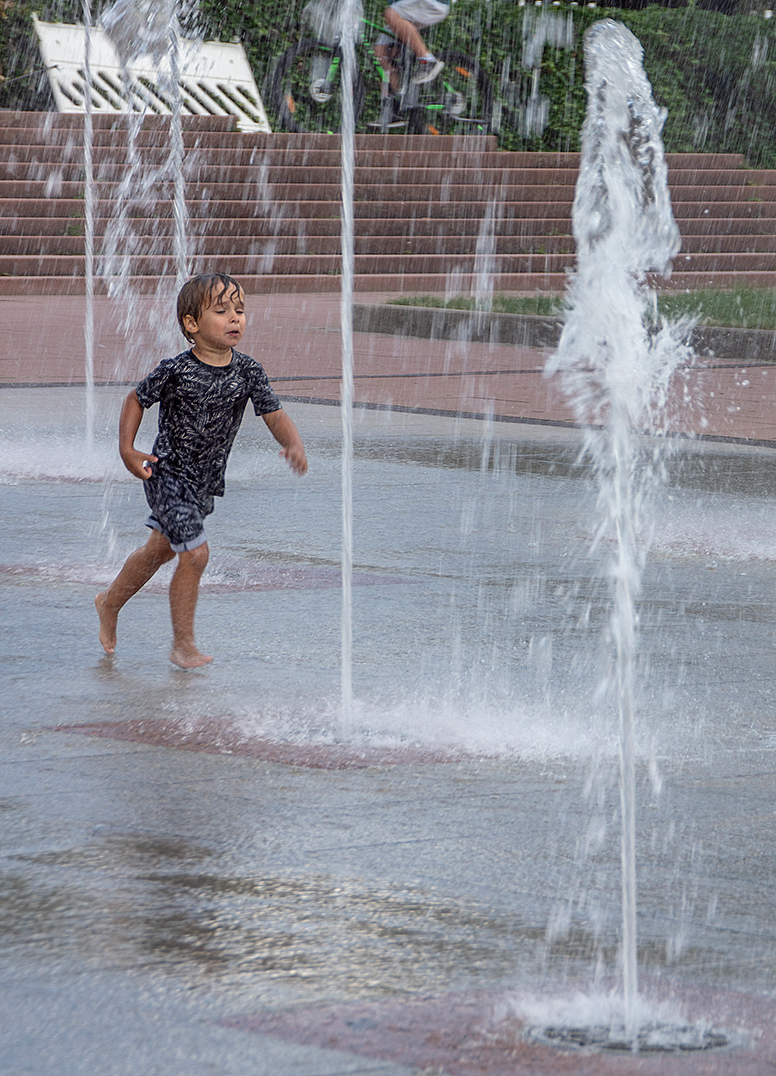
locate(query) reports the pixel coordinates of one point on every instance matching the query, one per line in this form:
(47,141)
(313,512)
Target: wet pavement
(214,872)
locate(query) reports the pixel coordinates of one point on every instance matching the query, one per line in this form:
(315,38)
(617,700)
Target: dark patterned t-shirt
(200,411)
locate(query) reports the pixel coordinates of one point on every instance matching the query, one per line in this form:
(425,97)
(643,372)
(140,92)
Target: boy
(202,395)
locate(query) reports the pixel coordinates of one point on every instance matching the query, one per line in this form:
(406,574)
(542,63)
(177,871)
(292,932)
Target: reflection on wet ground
(137,901)
(688,464)
(195,864)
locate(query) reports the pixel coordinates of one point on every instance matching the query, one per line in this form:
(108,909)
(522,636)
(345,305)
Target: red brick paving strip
(297,339)
(220,736)
(459,1035)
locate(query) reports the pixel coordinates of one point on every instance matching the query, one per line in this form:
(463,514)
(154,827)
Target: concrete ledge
(523,330)
(749,345)
(462,325)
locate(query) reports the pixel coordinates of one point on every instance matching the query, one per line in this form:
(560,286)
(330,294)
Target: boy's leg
(184,591)
(139,567)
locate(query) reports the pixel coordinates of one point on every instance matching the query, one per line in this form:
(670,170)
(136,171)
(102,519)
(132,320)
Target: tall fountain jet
(152,28)
(348,33)
(616,363)
(135,27)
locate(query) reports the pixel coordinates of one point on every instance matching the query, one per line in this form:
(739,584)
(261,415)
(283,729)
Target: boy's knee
(196,558)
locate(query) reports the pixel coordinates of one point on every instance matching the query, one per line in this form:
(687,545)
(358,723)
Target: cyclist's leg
(406,18)
(384,51)
(406,31)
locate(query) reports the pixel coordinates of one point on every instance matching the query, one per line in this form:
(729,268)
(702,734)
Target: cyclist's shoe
(428,69)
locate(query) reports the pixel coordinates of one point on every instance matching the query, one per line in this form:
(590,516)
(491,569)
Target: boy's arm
(129,424)
(286,434)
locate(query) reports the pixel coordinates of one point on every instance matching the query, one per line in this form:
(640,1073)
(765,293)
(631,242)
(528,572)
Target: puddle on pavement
(341,938)
(144,902)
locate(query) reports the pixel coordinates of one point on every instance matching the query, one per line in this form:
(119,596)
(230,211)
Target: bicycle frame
(331,74)
(452,98)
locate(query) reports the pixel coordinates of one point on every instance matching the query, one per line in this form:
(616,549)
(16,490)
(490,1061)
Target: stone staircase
(432,214)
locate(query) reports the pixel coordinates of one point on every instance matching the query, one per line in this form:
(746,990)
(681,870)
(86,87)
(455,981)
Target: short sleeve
(263,396)
(151,389)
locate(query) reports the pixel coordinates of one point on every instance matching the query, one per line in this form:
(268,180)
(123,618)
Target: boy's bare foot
(107,624)
(186,658)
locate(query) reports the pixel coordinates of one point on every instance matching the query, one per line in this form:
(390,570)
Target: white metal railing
(215,78)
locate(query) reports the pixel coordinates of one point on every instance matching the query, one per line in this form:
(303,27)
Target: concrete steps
(266,208)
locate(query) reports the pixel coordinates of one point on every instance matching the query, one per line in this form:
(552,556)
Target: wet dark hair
(199,293)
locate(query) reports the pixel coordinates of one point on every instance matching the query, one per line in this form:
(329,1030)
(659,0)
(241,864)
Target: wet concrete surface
(189,883)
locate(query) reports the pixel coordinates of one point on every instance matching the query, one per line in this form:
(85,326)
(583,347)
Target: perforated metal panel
(215,78)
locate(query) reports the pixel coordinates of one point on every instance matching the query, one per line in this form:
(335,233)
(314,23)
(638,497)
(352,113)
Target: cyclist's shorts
(419,12)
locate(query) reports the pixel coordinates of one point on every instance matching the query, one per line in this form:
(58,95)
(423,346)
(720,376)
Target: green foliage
(744,308)
(24,81)
(714,73)
(541,305)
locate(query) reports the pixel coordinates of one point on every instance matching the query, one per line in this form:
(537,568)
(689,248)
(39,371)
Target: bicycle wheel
(306,91)
(458,101)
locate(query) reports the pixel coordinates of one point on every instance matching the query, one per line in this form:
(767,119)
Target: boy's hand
(296,458)
(286,434)
(138,463)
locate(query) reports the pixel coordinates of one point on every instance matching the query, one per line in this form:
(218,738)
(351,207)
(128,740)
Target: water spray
(88,229)
(350,16)
(616,368)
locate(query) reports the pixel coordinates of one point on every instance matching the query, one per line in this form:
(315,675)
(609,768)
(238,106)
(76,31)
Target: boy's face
(221,323)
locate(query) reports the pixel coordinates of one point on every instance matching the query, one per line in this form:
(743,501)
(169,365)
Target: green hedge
(714,73)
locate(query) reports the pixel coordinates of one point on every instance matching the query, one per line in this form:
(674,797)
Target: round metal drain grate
(653,1038)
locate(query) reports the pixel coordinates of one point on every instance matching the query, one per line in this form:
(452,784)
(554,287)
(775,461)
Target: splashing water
(540,29)
(616,367)
(175,161)
(485,260)
(142,28)
(88,146)
(138,29)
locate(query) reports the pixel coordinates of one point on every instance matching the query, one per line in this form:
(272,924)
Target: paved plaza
(297,339)
(219,872)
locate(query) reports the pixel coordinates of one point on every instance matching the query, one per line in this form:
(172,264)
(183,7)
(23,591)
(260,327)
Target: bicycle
(306,91)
